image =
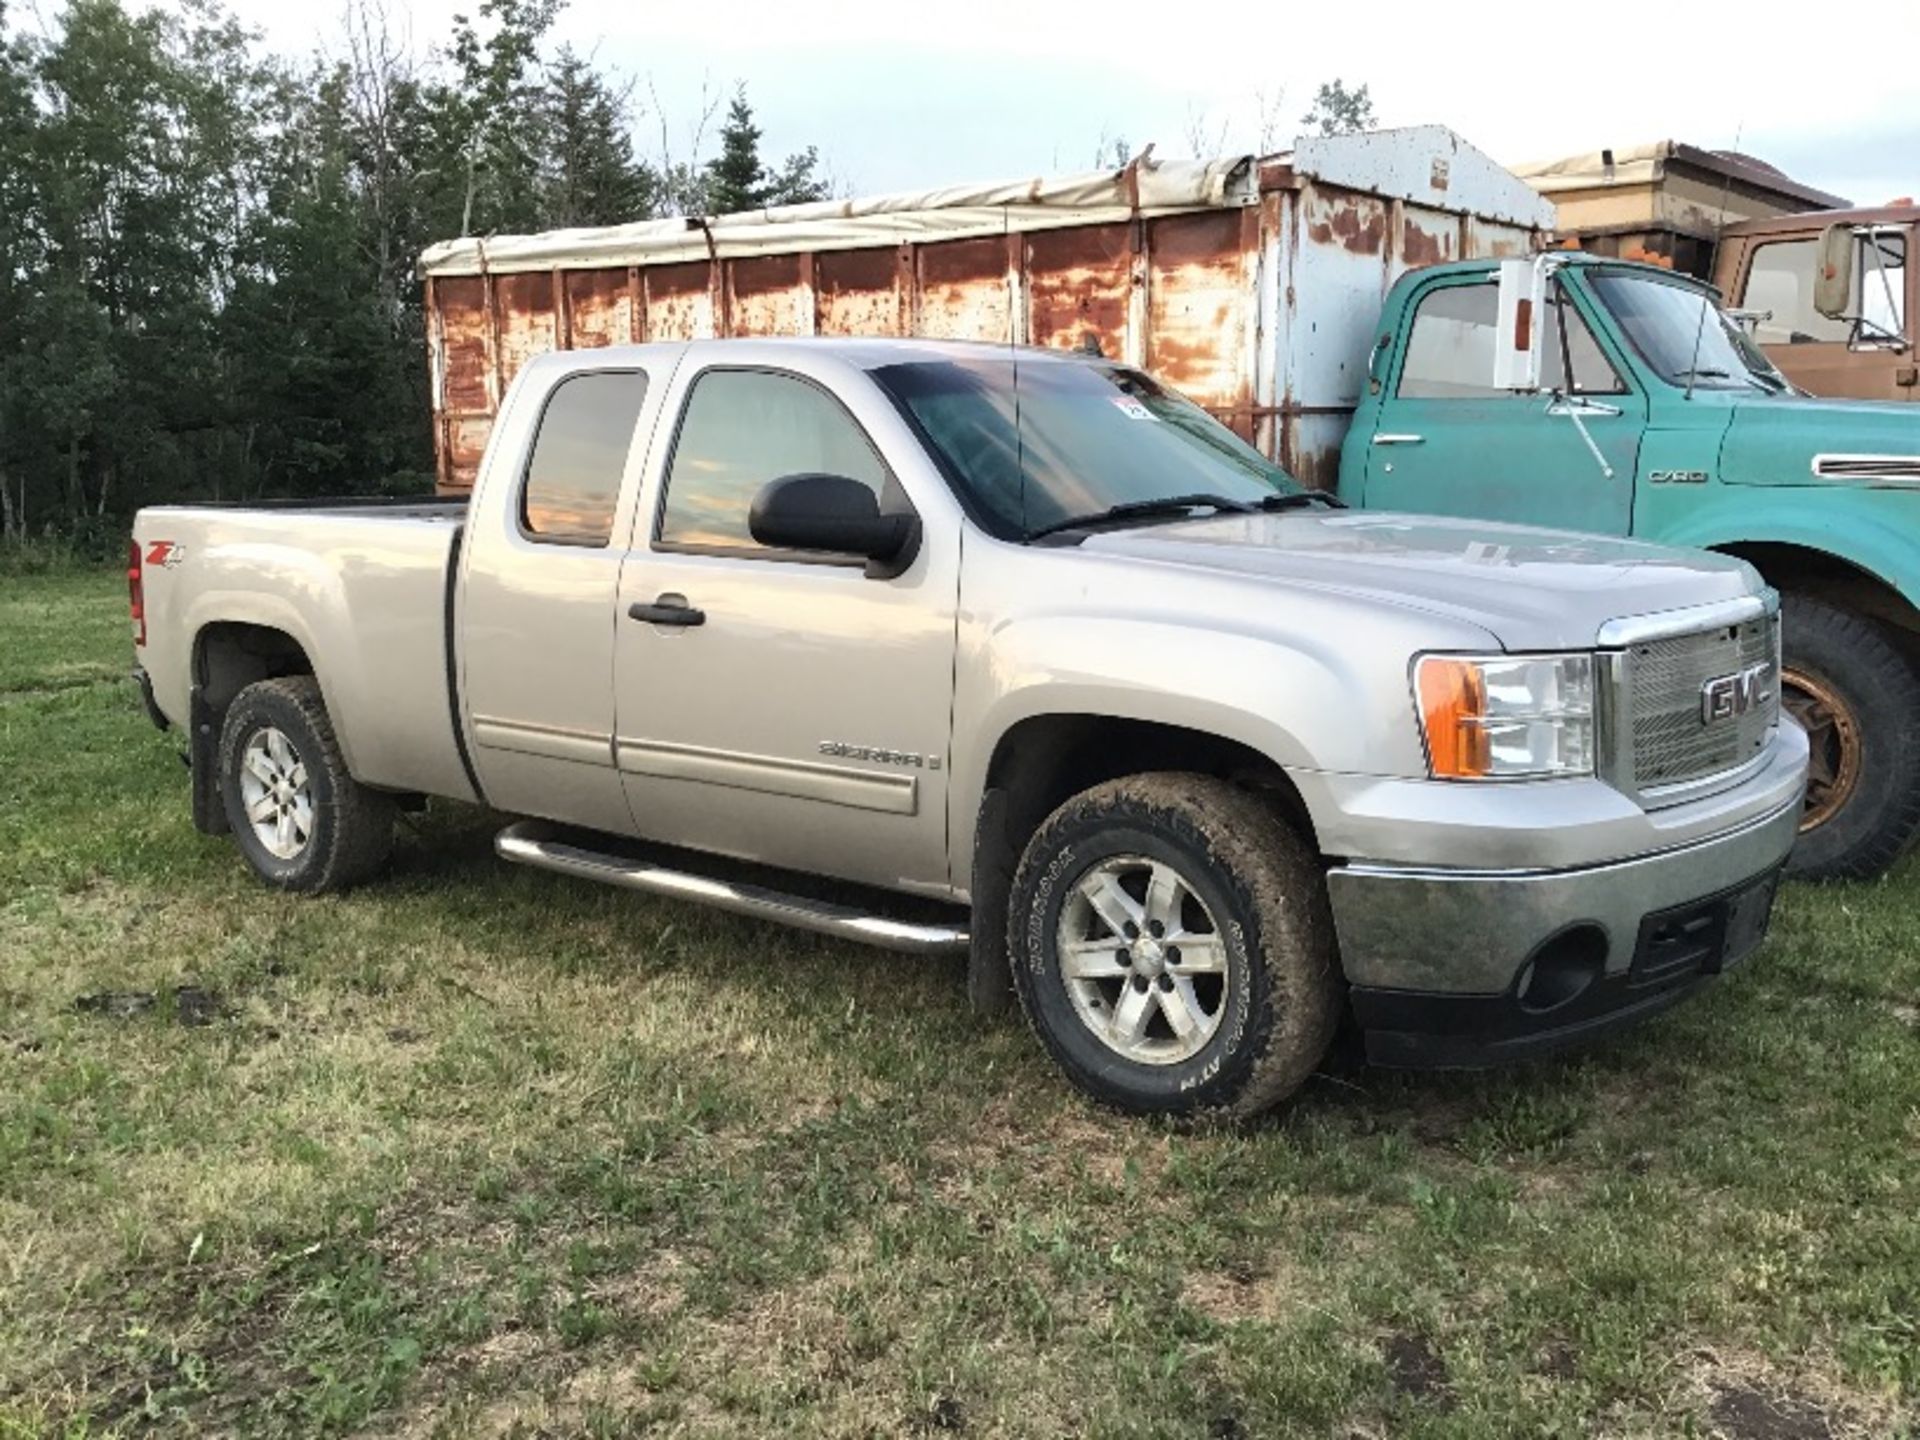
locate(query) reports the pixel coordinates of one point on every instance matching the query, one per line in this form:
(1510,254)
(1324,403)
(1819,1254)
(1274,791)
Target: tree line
(207,252)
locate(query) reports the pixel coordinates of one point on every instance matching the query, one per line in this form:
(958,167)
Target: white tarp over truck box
(1250,284)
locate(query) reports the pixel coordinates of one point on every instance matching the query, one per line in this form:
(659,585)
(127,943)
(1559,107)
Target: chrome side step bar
(530,843)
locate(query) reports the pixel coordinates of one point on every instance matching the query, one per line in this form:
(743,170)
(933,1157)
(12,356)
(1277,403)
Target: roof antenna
(1719,234)
(1013,355)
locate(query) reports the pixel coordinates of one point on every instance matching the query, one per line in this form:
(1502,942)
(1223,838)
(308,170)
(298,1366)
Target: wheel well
(230,655)
(1041,762)
(1815,573)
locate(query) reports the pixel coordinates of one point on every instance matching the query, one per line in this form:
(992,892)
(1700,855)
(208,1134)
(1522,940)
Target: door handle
(668,609)
(1385,439)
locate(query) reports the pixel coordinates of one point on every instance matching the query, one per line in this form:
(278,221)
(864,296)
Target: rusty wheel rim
(1833,744)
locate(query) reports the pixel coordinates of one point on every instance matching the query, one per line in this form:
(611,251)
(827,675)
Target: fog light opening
(1560,970)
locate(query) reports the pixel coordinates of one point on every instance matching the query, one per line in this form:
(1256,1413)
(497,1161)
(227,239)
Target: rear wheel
(1172,947)
(1857,696)
(302,822)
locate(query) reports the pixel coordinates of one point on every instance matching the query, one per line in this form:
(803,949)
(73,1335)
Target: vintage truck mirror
(1518,325)
(835,514)
(1833,272)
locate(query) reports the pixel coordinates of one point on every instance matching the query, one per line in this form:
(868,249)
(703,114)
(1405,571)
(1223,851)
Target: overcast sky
(900,95)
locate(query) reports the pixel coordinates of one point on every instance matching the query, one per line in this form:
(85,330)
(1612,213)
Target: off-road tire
(1858,660)
(352,832)
(1261,882)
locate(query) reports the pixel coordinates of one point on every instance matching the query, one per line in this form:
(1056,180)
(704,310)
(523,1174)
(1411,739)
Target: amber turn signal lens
(1453,705)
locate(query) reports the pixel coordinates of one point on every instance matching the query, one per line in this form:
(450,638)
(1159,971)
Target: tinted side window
(1780,282)
(573,476)
(1450,350)
(743,428)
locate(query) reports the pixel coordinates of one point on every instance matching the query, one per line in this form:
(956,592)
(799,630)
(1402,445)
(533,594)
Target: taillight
(136,594)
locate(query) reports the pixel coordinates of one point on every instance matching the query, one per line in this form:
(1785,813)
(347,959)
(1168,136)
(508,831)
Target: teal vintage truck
(1594,394)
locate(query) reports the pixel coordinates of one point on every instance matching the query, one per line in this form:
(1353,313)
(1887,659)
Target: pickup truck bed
(298,572)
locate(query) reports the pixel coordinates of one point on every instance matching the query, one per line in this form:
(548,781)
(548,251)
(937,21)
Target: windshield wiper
(1168,505)
(1298,499)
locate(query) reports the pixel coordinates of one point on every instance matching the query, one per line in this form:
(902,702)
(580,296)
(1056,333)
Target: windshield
(1089,437)
(1681,333)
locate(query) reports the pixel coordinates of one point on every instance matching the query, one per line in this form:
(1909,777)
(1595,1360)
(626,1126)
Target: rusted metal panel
(599,308)
(963,290)
(1427,237)
(526,323)
(1198,311)
(1261,305)
(464,438)
(1078,284)
(770,295)
(857,292)
(1494,240)
(463,330)
(679,302)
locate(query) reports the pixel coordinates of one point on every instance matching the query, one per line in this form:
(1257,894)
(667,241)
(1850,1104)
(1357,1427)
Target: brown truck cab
(1831,297)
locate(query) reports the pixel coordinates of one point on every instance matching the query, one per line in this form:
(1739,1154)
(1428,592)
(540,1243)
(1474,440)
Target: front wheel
(300,819)
(1855,693)
(1172,947)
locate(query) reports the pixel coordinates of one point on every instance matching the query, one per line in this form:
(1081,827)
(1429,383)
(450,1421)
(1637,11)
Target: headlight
(1506,717)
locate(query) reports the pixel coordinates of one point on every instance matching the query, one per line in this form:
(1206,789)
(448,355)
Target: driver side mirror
(835,514)
(1833,272)
(1519,324)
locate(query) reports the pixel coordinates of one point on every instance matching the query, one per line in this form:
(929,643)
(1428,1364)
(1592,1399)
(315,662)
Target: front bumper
(1470,967)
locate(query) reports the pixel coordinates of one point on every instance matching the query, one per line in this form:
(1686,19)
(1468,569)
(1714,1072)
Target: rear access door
(1446,442)
(536,622)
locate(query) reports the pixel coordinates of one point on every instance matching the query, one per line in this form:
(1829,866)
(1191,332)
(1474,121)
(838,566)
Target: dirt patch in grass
(1416,1371)
(1744,1396)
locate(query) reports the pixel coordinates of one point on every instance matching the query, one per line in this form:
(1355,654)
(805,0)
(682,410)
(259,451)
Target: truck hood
(1531,589)
(1774,440)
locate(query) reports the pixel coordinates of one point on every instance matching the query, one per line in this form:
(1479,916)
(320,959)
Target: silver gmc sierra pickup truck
(1194,761)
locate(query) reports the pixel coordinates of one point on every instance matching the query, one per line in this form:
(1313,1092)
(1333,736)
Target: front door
(772,705)
(1446,442)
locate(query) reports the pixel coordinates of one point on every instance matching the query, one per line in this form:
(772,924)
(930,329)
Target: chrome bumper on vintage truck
(1469,966)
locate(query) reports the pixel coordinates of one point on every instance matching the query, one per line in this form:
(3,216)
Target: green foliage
(737,179)
(207,285)
(1339,111)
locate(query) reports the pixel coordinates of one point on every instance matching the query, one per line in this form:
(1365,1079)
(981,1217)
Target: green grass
(481,1151)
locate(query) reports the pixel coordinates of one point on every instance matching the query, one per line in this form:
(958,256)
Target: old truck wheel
(1857,696)
(302,822)
(1172,947)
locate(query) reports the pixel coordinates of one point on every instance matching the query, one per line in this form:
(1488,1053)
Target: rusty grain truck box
(1252,285)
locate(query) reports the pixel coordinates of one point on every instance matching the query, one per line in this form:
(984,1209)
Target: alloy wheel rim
(277,793)
(1833,745)
(1145,965)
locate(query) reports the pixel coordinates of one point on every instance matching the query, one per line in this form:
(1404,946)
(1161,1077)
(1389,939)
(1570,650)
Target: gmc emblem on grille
(1726,696)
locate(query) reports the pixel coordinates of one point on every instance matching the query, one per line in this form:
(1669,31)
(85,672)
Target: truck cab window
(742,429)
(1780,286)
(1450,350)
(1880,283)
(1591,372)
(573,476)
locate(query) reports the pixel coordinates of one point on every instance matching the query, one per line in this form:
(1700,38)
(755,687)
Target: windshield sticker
(1132,408)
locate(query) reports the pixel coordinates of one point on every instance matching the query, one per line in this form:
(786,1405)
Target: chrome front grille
(1673,738)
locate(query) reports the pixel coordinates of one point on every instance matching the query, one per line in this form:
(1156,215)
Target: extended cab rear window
(579,454)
